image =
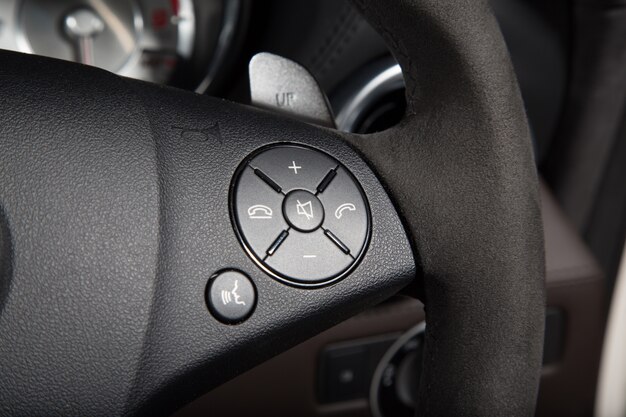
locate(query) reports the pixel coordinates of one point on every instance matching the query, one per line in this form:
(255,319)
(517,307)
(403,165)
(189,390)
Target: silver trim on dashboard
(376,82)
(232,9)
(384,361)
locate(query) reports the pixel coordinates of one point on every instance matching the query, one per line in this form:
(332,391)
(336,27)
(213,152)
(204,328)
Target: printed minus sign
(309,256)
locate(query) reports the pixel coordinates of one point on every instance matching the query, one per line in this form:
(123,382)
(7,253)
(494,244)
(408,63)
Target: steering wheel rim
(476,202)
(114,193)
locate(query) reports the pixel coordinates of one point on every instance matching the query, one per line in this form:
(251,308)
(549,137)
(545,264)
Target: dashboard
(205,46)
(176,42)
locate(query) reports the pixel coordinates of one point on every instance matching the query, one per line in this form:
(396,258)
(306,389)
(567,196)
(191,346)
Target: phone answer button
(347,212)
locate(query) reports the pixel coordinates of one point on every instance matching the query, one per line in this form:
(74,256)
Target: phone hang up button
(258,211)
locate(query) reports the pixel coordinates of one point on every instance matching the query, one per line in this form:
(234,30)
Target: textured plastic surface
(5,260)
(116,196)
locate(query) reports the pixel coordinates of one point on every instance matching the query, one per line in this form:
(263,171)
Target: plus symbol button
(294,167)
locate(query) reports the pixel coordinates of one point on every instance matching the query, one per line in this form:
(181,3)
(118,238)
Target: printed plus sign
(294,167)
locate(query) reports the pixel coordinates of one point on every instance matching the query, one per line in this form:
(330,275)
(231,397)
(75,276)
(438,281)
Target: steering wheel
(119,217)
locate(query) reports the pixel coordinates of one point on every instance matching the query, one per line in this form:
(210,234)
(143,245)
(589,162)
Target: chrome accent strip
(361,97)
(232,10)
(384,361)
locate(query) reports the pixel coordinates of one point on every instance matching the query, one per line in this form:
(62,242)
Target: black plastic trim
(259,262)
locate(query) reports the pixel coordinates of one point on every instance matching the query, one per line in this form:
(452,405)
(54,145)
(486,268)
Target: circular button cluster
(300,214)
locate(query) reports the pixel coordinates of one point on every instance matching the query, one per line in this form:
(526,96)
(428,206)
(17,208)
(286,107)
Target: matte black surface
(537,36)
(5,260)
(118,219)
(80,195)
(460,167)
(231,296)
(284,315)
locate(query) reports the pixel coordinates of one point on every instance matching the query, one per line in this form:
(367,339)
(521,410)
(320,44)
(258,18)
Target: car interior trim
(611,400)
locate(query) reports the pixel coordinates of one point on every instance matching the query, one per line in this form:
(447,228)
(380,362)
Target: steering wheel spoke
(120,217)
(159,243)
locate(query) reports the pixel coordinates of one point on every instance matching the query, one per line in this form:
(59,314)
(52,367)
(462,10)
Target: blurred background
(570,59)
